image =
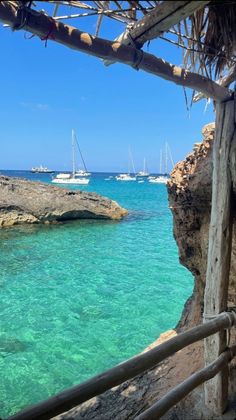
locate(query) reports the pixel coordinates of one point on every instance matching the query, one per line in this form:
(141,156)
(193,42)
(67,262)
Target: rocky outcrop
(190,191)
(23,201)
(190,202)
(189,194)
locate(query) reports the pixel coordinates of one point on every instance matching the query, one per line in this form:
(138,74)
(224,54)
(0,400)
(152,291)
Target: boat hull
(71,181)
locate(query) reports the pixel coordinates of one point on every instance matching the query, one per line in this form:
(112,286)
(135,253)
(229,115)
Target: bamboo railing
(135,366)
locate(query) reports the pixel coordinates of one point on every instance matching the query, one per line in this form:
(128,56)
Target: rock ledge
(23,201)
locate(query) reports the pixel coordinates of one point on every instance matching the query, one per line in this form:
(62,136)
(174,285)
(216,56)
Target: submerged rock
(10,345)
(24,201)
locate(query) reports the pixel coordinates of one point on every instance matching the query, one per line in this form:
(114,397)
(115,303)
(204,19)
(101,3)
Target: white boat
(128,176)
(81,172)
(41,170)
(162,179)
(75,177)
(125,177)
(71,181)
(63,176)
(143,173)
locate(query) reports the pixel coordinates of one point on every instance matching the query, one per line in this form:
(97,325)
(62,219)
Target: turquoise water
(80,297)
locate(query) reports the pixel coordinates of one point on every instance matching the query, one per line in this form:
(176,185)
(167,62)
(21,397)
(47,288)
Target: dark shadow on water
(11,345)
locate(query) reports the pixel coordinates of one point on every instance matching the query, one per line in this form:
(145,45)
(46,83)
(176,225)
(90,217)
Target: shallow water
(79,297)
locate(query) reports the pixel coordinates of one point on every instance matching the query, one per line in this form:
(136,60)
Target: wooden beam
(219,250)
(224,81)
(47,28)
(120,373)
(163,17)
(174,396)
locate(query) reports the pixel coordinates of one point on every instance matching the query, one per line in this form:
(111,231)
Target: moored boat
(125,177)
(129,176)
(75,177)
(161,179)
(144,173)
(42,170)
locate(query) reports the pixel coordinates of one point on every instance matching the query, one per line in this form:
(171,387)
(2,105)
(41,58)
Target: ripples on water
(79,297)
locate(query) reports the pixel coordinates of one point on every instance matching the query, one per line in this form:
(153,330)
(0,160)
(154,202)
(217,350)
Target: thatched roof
(213,31)
(208,36)
(205,31)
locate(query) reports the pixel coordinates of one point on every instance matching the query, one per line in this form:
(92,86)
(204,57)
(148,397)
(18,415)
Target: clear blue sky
(45,92)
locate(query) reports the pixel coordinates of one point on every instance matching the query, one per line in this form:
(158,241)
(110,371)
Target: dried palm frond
(212,33)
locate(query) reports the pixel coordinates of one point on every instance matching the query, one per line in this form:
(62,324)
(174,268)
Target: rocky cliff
(23,201)
(190,202)
(189,194)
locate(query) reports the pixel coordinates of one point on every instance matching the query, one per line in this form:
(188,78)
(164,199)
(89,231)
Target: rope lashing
(21,17)
(50,33)
(232,319)
(138,54)
(231,315)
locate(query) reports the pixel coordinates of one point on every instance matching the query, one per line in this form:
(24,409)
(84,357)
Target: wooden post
(219,251)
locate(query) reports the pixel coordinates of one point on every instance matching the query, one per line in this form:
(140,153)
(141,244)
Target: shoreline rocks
(29,202)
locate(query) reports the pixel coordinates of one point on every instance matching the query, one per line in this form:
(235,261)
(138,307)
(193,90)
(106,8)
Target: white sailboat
(81,172)
(144,172)
(163,179)
(73,178)
(128,176)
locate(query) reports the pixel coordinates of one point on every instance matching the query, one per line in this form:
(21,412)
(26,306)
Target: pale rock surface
(26,202)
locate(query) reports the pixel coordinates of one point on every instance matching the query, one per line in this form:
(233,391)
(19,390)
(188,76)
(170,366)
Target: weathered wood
(233,154)
(120,373)
(224,81)
(160,19)
(219,251)
(163,17)
(45,27)
(180,391)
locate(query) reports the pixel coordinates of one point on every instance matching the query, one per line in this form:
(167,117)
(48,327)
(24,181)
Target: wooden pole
(158,409)
(224,81)
(163,17)
(47,28)
(120,373)
(219,251)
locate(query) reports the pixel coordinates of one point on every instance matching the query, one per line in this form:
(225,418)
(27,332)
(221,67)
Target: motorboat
(126,177)
(41,170)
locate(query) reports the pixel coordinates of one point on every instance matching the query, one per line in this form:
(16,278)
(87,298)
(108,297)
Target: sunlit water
(79,297)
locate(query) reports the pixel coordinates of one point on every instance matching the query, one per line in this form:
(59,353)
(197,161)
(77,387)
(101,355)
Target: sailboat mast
(73,152)
(132,162)
(84,165)
(170,155)
(166,161)
(160,161)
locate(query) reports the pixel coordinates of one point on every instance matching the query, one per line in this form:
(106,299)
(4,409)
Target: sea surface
(78,298)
